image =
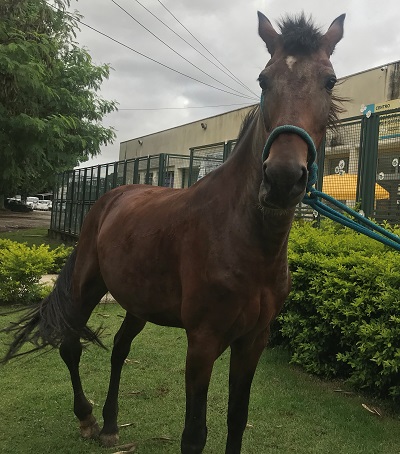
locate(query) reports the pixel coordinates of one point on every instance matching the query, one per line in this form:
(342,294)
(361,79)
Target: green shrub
(342,318)
(60,254)
(21,268)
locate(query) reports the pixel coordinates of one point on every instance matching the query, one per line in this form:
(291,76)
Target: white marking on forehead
(290,61)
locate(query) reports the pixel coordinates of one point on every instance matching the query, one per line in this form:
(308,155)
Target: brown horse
(211,259)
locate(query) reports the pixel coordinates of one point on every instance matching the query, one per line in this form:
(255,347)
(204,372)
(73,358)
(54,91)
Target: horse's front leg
(129,329)
(201,354)
(245,354)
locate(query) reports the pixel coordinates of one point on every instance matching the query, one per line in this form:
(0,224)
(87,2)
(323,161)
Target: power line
(172,49)
(162,64)
(187,107)
(146,56)
(191,34)
(195,49)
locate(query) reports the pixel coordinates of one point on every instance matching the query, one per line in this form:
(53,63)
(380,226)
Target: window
(169,179)
(149,178)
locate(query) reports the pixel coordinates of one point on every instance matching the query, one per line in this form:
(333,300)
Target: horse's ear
(334,34)
(267,33)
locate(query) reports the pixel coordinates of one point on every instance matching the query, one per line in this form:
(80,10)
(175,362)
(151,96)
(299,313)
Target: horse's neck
(244,171)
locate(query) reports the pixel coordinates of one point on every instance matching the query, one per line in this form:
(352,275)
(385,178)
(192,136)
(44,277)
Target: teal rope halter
(312,196)
(312,152)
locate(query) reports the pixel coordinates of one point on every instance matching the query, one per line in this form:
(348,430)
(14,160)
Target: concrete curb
(49,279)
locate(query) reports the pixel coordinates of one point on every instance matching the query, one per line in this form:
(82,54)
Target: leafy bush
(21,268)
(60,254)
(342,317)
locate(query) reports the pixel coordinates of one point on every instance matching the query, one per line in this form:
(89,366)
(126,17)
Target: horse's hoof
(108,440)
(89,428)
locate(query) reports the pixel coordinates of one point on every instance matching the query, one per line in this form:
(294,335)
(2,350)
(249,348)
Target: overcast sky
(227,29)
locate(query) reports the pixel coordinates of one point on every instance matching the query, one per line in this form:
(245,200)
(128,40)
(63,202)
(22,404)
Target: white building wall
(372,86)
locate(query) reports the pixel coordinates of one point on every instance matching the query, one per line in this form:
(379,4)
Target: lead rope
(312,196)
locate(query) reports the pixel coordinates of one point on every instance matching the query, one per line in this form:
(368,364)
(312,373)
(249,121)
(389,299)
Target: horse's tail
(49,322)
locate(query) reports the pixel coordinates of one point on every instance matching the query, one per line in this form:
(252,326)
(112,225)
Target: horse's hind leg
(130,328)
(70,351)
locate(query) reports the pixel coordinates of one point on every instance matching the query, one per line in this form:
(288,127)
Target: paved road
(10,220)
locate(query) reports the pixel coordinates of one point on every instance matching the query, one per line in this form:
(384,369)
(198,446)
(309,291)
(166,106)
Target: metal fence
(359,164)
(77,190)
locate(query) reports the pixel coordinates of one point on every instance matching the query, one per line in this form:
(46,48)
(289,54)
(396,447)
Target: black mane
(247,121)
(300,35)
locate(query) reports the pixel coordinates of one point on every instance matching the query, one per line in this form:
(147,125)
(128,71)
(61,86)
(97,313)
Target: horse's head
(297,86)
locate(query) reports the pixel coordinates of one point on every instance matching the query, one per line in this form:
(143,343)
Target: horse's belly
(152,302)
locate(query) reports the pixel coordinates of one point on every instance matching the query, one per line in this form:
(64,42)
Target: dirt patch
(10,220)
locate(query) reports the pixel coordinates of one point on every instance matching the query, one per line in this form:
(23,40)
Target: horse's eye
(330,83)
(262,80)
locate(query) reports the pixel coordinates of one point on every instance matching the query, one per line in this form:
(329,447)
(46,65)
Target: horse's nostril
(304,176)
(283,183)
(300,185)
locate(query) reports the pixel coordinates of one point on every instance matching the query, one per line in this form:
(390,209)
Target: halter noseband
(311,164)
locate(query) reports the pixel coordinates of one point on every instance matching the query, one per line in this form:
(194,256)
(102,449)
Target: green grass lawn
(35,236)
(290,412)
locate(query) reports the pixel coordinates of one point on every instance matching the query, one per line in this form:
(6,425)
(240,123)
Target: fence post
(115,176)
(72,194)
(64,195)
(84,183)
(367,163)
(190,167)
(226,151)
(229,148)
(125,172)
(321,163)
(136,171)
(161,170)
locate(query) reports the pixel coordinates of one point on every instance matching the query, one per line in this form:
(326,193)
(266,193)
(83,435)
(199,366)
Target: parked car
(14,204)
(32,201)
(43,205)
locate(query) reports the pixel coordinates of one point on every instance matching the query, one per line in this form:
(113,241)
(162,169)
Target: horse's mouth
(274,212)
(276,205)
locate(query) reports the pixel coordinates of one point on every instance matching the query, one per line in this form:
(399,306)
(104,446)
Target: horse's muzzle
(283,185)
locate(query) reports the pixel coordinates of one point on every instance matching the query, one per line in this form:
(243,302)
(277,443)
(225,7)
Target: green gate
(77,190)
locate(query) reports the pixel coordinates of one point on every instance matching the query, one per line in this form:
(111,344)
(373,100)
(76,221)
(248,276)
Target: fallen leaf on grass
(131,449)
(135,392)
(126,425)
(249,426)
(127,361)
(373,410)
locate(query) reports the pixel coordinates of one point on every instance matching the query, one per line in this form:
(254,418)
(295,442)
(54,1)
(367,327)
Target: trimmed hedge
(21,268)
(342,318)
